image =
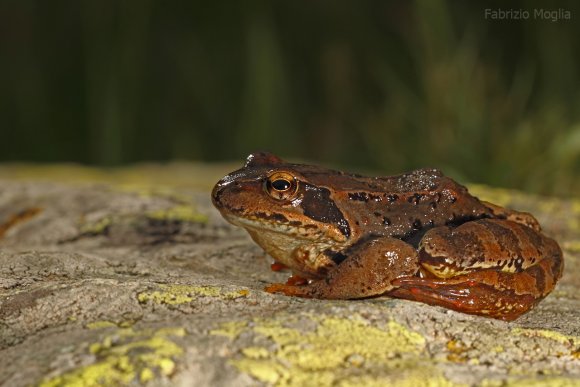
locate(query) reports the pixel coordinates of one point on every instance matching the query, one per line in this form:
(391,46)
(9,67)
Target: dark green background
(367,85)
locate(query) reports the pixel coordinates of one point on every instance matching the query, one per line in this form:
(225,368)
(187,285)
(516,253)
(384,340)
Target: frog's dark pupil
(281,185)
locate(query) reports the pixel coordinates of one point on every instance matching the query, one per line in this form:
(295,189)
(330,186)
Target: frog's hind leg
(477,293)
(368,270)
(495,268)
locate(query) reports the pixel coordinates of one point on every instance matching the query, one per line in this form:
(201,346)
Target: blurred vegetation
(366,85)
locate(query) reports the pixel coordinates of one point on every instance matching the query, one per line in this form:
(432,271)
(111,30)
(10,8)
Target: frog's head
(283,209)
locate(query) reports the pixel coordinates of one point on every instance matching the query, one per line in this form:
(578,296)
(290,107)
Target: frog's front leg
(496,268)
(368,270)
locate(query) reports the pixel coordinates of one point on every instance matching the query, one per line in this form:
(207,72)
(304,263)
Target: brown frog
(419,236)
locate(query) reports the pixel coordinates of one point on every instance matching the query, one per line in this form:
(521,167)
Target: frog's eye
(281,185)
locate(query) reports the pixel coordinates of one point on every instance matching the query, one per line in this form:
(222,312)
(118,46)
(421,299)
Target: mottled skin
(419,236)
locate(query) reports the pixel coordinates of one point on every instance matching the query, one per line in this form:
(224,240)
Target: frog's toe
(296,280)
(288,290)
(277,266)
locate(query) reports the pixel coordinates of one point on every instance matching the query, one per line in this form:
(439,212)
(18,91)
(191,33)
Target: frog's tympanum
(419,236)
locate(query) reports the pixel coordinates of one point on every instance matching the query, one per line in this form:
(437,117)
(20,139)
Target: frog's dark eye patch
(281,185)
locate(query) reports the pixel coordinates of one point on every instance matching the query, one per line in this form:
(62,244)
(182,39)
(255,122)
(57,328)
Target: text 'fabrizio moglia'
(524,14)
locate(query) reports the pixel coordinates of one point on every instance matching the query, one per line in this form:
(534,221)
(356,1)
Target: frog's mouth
(277,223)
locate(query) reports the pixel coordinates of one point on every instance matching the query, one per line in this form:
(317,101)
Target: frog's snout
(215,195)
(226,192)
(217,192)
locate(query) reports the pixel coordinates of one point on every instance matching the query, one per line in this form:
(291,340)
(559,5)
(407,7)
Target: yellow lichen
(457,351)
(97,227)
(243,292)
(146,375)
(184,213)
(418,378)
(324,354)
(124,358)
(572,246)
(183,294)
(552,335)
(100,324)
(560,293)
(230,329)
(236,294)
(572,342)
(126,323)
(255,352)
(549,381)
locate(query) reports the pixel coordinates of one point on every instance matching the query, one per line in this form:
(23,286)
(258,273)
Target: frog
(418,236)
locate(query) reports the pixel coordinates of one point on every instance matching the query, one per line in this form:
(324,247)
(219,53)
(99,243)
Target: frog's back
(417,180)
(402,206)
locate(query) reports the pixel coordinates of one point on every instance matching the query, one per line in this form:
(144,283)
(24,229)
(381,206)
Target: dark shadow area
(488,92)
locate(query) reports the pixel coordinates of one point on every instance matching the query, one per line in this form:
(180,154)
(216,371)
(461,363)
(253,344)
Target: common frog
(419,236)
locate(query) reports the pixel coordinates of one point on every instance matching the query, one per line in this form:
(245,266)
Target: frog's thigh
(497,244)
(503,292)
(367,271)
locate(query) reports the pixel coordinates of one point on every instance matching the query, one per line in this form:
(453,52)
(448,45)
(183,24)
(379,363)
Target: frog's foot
(290,290)
(294,286)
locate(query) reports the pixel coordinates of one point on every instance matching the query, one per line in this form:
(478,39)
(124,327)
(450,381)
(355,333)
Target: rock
(131,277)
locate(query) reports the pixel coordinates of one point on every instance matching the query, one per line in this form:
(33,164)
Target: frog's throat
(305,258)
(300,248)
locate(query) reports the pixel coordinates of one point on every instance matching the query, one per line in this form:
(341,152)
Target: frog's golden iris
(281,185)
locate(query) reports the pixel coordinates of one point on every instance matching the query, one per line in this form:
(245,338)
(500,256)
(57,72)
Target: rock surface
(130,277)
